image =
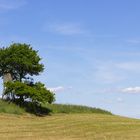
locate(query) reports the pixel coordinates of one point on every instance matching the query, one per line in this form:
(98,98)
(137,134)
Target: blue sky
(90,48)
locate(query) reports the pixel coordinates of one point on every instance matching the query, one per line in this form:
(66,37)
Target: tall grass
(28,107)
(11,108)
(63,108)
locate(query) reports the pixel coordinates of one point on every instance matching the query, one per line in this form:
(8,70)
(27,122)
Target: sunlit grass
(67,108)
(65,122)
(69,127)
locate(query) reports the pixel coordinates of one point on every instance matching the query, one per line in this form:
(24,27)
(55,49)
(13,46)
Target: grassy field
(65,122)
(11,108)
(68,127)
(70,109)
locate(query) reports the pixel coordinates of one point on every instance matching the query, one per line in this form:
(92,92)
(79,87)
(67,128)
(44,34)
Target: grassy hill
(70,109)
(69,127)
(66,122)
(10,108)
(7,107)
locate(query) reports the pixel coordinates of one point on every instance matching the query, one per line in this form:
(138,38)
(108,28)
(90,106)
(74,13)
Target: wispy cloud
(129,66)
(107,76)
(11,4)
(59,89)
(114,100)
(120,100)
(65,28)
(111,72)
(107,72)
(131,90)
(133,41)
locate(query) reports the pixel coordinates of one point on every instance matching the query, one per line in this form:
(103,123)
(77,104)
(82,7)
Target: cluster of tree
(18,63)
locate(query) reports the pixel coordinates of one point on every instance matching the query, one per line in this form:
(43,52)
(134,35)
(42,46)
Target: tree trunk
(6,78)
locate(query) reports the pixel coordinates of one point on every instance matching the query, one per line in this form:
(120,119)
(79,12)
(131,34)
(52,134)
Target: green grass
(69,127)
(10,108)
(68,109)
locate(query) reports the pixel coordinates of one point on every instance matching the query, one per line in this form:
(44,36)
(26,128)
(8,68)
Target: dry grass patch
(69,127)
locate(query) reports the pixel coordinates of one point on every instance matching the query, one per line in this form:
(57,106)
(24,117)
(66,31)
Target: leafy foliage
(20,60)
(36,93)
(18,63)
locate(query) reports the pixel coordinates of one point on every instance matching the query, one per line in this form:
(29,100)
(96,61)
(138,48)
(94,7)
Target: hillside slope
(70,109)
(69,127)
(11,108)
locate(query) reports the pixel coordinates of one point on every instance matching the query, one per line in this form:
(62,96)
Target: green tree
(36,93)
(20,60)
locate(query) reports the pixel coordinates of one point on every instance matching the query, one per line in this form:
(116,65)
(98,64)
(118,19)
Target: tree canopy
(18,62)
(36,93)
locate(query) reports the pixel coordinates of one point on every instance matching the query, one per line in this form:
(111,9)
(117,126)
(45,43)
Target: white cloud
(65,28)
(59,89)
(56,89)
(131,90)
(11,4)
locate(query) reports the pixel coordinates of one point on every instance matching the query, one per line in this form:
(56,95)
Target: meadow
(65,122)
(83,126)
